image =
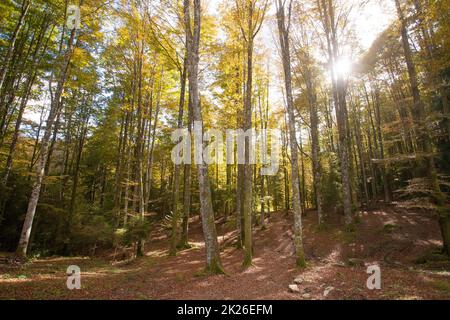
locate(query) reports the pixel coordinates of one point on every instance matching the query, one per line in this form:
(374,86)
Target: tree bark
(177,169)
(326,9)
(213,263)
(283,31)
(315,145)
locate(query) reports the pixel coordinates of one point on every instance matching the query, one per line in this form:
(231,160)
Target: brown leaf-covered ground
(402,242)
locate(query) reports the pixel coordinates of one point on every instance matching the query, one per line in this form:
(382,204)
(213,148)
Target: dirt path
(394,238)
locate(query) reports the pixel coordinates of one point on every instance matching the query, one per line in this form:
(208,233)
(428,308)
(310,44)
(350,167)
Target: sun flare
(343,67)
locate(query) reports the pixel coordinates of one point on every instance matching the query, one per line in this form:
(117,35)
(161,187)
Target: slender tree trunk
(248,168)
(128,162)
(283,30)
(384,170)
(76,176)
(139,192)
(118,173)
(326,9)
(177,170)
(184,241)
(9,52)
(13,80)
(315,145)
(213,263)
(287,200)
(23,103)
(239,210)
(360,153)
(302,181)
(264,142)
(253,18)
(54,111)
(153,140)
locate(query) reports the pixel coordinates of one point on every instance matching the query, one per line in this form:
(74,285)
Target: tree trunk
(213,263)
(76,176)
(177,170)
(8,56)
(139,192)
(184,241)
(315,145)
(248,168)
(36,59)
(283,31)
(54,111)
(326,9)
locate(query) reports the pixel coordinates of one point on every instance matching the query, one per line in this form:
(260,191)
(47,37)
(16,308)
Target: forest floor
(404,243)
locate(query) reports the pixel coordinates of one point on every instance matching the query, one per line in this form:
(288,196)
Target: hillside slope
(400,241)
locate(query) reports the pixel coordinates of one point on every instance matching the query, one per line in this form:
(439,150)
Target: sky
(373,19)
(368,21)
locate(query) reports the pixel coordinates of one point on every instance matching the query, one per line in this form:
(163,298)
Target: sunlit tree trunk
(283,30)
(326,8)
(192,28)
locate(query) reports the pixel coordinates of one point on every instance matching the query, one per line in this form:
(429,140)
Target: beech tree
(55,109)
(284,25)
(192,26)
(250,16)
(87,116)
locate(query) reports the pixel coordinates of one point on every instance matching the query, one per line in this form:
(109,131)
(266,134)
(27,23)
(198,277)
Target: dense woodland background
(86,118)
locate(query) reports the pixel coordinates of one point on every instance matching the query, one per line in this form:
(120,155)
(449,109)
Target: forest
(319,166)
